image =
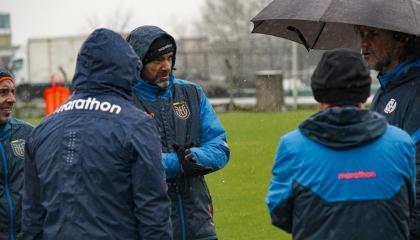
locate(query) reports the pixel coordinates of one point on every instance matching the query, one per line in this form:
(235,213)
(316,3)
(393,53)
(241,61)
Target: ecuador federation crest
(390,106)
(18,147)
(181,110)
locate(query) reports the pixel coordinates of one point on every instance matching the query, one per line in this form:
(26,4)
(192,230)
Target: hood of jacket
(106,64)
(344,128)
(141,39)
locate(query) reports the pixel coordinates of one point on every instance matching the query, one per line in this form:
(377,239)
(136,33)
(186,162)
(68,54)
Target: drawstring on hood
(344,128)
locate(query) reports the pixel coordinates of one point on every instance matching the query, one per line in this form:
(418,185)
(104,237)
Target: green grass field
(239,189)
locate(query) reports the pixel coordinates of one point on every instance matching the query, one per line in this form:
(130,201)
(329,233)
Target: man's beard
(382,64)
(162,84)
(156,81)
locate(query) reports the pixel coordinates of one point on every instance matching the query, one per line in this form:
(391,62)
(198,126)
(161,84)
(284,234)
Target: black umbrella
(327,24)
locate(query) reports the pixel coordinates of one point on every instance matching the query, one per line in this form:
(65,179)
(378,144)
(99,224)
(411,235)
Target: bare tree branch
(118,20)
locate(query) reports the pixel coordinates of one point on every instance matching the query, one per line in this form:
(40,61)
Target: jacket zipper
(181,216)
(7,192)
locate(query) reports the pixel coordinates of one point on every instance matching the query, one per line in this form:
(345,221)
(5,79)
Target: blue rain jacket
(345,174)
(184,116)
(213,150)
(13,135)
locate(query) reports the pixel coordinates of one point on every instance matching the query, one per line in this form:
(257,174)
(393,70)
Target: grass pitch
(239,190)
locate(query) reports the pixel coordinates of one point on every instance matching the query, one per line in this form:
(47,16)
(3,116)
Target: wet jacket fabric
(12,138)
(398,100)
(344,174)
(184,116)
(94,167)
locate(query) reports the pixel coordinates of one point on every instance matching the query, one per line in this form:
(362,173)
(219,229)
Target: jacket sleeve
(171,164)
(151,203)
(412,125)
(33,213)
(415,214)
(415,178)
(280,195)
(213,151)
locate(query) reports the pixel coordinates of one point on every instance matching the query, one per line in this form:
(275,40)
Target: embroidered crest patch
(18,147)
(181,110)
(390,106)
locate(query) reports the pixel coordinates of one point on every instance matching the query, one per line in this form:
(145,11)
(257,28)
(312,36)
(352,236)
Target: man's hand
(189,165)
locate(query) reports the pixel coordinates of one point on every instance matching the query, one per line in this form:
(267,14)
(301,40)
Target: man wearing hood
(345,173)
(13,134)
(396,57)
(93,168)
(193,140)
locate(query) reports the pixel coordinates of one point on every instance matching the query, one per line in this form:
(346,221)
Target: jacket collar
(344,127)
(397,71)
(152,92)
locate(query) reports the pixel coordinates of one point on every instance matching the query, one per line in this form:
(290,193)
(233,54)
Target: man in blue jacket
(395,56)
(345,173)
(13,134)
(93,168)
(193,140)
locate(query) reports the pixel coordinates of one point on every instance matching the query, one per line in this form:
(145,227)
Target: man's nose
(166,65)
(11,98)
(364,41)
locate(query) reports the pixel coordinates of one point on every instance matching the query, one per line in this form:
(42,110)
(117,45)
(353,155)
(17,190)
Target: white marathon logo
(390,106)
(90,104)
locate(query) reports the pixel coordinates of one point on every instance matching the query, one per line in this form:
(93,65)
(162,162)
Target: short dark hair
(411,45)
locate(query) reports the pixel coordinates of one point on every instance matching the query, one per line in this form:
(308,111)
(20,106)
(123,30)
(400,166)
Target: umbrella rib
(300,35)
(319,35)
(257,24)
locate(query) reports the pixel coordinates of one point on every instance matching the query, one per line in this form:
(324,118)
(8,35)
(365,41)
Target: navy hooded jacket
(213,151)
(13,135)
(93,168)
(398,100)
(345,174)
(184,116)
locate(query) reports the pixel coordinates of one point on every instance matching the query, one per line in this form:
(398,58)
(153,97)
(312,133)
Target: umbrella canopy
(327,24)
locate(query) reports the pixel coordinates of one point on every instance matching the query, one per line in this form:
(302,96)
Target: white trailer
(41,58)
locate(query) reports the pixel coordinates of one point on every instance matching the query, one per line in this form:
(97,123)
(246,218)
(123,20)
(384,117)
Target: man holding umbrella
(387,35)
(395,56)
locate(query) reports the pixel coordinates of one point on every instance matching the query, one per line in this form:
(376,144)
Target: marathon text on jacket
(90,104)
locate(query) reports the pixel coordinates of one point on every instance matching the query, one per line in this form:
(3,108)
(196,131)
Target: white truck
(42,57)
